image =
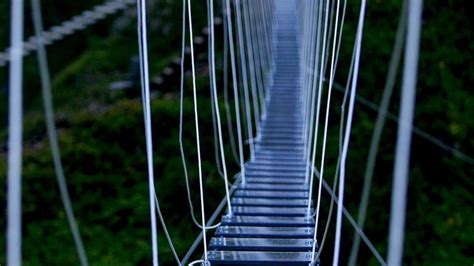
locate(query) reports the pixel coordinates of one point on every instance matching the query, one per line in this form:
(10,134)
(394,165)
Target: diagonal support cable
(52,132)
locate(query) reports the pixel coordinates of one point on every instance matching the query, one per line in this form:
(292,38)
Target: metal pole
(15,134)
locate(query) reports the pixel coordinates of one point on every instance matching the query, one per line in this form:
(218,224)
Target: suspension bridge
(285,53)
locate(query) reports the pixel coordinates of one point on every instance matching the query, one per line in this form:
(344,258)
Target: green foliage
(102,141)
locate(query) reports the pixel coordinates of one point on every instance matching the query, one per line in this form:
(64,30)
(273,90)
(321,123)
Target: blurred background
(100,125)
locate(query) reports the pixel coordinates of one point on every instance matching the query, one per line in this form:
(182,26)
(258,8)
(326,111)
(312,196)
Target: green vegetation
(102,141)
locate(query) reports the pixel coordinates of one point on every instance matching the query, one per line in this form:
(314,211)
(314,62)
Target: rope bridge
(268,221)
(285,57)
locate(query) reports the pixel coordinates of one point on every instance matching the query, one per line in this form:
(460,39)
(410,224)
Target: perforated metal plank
(279,142)
(280,151)
(279,156)
(277,174)
(288,179)
(259,258)
(276,167)
(269,211)
(279,170)
(277,119)
(274,174)
(270,194)
(283,125)
(260,244)
(271,116)
(290,152)
(291,163)
(268,171)
(268,221)
(268,141)
(282,130)
(291,159)
(270,180)
(279,137)
(274,187)
(265,232)
(269,202)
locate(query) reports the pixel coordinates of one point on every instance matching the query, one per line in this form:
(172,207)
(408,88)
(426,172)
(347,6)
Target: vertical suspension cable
(330,31)
(211,88)
(341,132)
(196,122)
(235,87)
(402,155)
(318,108)
(15,134)
(265,29)
(244,78)
(226,85)
(181,102)
(313,98)
(216,106)
(340,34)
(378,129)
(181,148)
(258,58)
(309,82)
(145,84)
(51,128)
(268,27)
(252,70)
(304,64)
(348,128)
(326,123)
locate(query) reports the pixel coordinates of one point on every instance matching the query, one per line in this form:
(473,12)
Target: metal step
(270,211)
(259,258)
(270,194)
(263,202)
(276,174)
(268,221)
(270,180)
(274,187)
(260,244)
(264,232)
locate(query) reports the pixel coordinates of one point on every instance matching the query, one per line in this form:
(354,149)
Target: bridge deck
(269,224)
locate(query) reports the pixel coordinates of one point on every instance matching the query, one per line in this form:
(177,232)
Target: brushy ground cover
(102,142)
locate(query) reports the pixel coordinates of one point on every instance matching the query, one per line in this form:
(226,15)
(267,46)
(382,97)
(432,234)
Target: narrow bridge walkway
(269,223)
